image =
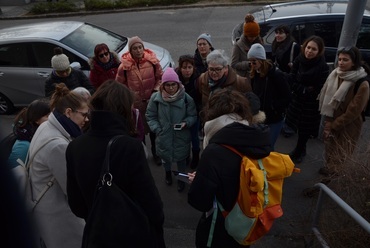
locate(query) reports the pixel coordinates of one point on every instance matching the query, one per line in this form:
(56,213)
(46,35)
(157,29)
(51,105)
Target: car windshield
(85,38)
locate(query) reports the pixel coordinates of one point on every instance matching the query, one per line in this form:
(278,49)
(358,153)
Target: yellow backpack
(259,198)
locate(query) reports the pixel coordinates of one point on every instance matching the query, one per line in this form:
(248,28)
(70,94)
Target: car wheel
(6,106)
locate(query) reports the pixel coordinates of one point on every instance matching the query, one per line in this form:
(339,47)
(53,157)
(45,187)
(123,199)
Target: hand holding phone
(181,176)
(177,127)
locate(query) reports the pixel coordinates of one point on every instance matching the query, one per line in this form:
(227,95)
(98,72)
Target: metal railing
(350,211)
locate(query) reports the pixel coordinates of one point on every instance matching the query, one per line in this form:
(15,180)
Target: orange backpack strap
(233,149)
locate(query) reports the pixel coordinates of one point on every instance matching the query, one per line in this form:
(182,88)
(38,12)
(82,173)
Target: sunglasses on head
(103,54)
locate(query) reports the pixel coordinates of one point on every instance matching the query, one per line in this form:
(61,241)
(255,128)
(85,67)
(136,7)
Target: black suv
(306,18)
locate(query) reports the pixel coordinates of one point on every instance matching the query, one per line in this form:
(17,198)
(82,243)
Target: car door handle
(43,74)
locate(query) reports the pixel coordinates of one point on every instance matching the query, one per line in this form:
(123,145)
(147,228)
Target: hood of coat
(93,62)
(253,141)
(128,62)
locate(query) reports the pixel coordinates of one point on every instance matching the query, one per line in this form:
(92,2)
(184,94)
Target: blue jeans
(275,129)
(181,165)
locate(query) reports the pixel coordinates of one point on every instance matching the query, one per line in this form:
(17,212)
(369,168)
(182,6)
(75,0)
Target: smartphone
(177,127)
(181,176)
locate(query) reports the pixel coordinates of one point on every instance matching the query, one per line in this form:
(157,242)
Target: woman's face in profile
(80,116)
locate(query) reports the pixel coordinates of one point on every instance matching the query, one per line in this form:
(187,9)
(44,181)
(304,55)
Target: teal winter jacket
(172,145)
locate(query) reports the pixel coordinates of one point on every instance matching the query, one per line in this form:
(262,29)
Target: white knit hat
(257,52)
(60,62)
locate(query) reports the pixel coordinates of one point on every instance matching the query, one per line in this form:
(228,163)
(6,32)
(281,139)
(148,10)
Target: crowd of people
(245,102)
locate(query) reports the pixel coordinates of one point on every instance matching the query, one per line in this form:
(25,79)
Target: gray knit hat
(59,61)
(207,37)
(257,52)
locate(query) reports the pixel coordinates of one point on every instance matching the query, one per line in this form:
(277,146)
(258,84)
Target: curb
(137,9)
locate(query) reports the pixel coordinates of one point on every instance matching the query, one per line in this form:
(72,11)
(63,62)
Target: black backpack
(6,146)
(366,111)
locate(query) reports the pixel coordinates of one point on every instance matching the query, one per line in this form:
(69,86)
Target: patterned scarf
(110,64)
(332,94)
(171,98)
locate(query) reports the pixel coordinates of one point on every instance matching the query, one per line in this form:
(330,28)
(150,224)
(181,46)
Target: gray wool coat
(171,145)
(57,225)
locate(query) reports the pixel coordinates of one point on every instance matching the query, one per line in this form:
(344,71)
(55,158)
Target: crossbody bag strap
(213,224)
(49,183)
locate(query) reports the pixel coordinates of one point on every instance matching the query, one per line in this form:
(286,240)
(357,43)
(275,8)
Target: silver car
(26,52)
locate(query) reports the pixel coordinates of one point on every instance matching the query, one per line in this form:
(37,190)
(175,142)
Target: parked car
(26,52)
(306,18)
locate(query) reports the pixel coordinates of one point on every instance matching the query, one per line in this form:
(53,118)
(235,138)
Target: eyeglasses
(167,85)
(103,54)
(253,62)
(215,69)
(84,115)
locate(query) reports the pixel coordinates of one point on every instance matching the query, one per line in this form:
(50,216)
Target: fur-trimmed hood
(259,118)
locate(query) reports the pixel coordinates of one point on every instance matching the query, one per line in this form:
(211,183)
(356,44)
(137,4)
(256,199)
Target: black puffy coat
(306,79)
(274,94)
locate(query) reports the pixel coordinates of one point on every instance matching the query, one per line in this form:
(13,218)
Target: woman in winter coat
(204,47)
(220,75)
(284,49)
(228,121)
(141,72)
(64,73)
(25,125)
(169,107)
(188,76)
(272,88)
(57,225)
(342,104)
(251,35)
(307,77)
(103,65)
(111,116)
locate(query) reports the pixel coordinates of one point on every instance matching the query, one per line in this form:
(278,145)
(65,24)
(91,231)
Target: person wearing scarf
(103,65)
(306,79)
(341,108)
(57,225)
(169,106)
(25,125)
(228,121)
(220,75)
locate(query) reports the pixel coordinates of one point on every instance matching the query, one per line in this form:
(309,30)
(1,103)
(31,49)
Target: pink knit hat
(134,40)
(170,75)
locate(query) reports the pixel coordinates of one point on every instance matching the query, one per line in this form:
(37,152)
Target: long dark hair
(29,115)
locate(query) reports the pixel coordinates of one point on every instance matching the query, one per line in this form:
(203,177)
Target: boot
(194,159)
(180,186)
(297,155)
(156,159)
(168,178)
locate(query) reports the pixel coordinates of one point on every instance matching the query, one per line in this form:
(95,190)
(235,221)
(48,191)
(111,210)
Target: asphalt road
(177,30)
